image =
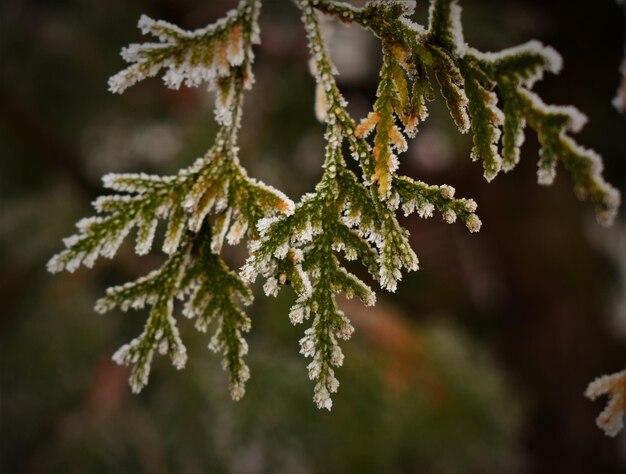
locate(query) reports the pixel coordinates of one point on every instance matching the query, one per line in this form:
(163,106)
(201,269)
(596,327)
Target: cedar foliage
(348,215)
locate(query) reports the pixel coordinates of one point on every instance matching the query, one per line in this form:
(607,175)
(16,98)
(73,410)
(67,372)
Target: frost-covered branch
(472,84)
(611,420)
(212,200)
(350,215)
(346,214)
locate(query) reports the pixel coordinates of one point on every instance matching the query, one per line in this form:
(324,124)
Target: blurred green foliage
(72,412)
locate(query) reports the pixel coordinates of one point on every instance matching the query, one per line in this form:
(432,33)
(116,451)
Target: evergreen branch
(611,420)
(524,64)
(585,166)
(349,213)
(451,84)
(300,249)
(207,55)
(344,214)
(466,78)
(158,289)
(387,20)
(195,274)
(373,219)
(424,199)
(212,290)
(392,101)
(215,183)
(486,117)
(444,26)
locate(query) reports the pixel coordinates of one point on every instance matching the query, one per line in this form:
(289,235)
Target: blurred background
(476,365)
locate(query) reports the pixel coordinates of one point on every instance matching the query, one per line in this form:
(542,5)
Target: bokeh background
(476,365)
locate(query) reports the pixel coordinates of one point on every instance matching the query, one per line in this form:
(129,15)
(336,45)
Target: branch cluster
(349,215)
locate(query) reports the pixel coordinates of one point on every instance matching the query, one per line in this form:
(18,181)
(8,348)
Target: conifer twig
(350,215)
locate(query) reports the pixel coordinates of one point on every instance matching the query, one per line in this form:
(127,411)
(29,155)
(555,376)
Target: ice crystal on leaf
(350,215)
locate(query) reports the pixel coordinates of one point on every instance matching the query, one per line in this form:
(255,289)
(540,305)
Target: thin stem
(382,20)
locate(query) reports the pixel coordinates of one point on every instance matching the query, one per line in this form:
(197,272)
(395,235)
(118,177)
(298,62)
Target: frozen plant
(353,214)
(611,420)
